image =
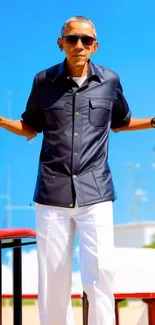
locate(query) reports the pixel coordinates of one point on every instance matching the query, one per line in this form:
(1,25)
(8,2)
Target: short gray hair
(78,18)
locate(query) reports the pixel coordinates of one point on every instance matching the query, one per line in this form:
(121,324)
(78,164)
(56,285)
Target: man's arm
(32,118)
(18,127)
(121,115)
(136,124)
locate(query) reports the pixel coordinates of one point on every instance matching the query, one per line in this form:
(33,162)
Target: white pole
(135,184)
(9,212)
(9,104)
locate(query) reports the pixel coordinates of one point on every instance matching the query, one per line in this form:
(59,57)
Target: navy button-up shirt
(75,122)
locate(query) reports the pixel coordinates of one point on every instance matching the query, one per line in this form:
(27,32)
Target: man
(75,104)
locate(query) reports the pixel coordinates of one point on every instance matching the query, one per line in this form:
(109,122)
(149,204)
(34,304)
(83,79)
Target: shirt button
(76,134)
(71,205)
(77,113)
(74,176)
(75,153)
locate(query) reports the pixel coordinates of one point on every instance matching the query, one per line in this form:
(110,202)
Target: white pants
(55,228)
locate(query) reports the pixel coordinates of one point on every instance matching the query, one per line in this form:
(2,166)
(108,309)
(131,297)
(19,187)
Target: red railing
(35,296)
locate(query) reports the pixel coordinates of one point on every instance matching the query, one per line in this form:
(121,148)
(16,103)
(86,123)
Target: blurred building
(134,234)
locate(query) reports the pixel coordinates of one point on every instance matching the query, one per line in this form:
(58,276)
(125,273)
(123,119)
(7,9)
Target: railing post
(117,310)
(151,310)
(85,308)
(17,282)
(0,282)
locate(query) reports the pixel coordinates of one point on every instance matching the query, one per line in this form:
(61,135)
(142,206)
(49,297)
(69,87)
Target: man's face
(78,52)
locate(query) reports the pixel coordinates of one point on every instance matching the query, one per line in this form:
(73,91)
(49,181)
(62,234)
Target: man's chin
(80,62)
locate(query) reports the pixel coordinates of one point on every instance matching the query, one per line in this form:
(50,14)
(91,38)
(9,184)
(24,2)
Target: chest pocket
(55,114)
(99,112)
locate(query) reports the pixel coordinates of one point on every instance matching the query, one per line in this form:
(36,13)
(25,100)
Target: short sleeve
(33,114)
(121,113)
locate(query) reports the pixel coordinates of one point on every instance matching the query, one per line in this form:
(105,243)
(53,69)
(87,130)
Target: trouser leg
(95,228)
(55,236)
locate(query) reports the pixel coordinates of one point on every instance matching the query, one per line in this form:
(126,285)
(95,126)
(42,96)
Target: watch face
(153,122)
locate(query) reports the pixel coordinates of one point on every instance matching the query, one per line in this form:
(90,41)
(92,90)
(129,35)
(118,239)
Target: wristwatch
(153,122)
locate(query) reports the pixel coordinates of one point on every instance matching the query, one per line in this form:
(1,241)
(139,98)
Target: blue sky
(29,32)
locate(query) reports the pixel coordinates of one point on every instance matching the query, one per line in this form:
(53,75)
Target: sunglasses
(85,39)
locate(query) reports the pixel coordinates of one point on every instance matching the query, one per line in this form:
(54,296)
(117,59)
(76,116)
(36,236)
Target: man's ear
(96,45)
(60,43)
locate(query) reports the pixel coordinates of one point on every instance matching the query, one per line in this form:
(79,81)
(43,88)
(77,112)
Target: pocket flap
(59,104)
(100,103)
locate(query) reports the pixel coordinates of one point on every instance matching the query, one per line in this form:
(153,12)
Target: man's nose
(79,44)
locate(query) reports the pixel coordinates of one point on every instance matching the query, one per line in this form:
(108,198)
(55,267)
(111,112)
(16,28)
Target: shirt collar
(93,72)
